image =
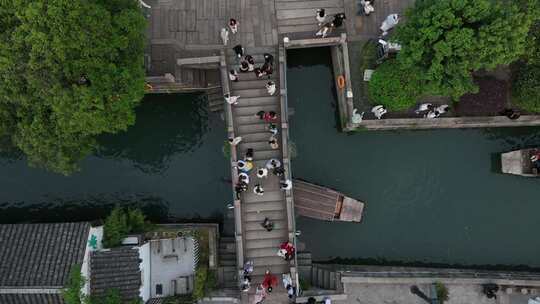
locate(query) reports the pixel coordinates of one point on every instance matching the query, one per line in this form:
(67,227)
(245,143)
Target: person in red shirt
(269,281)
(289,248)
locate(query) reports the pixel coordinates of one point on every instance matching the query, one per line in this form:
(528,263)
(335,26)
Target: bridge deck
(191,28)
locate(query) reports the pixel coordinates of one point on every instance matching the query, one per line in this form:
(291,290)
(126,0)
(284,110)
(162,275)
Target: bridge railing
(291,222)
(226,86)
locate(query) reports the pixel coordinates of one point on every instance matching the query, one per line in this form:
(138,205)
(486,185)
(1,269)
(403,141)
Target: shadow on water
(166,163)
(320,58)
(161,131)
(74,210)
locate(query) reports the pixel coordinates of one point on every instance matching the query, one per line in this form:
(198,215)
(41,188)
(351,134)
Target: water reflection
(74,209)
(170,161)
(166,125)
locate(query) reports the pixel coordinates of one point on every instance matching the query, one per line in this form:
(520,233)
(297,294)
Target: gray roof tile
(31,299)
(115,269)
(35,255)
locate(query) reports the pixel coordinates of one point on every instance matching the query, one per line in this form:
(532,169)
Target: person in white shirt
(258,190)
(325,30)
(235,141)
(233,75)
(272,164)
(367,5)
(232,100)
(390,21)
(285,185)
(243,177)
(423,107)
(379,111)
(320,16)
(271,87)
(262,172)
(224,36)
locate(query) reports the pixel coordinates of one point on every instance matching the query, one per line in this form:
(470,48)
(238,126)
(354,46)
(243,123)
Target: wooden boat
(323,203)
(519,162)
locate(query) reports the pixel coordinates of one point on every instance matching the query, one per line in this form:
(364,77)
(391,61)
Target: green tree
(450,39)
(396,88)
(115,228)
(69,71)
(121,222)
(526,80)
(72,292)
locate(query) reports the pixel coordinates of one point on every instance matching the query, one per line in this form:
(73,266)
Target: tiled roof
(117,268)
(155,301)
(31,299)
(40,255)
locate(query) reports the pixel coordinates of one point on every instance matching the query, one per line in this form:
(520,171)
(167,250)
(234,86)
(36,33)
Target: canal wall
(441,123)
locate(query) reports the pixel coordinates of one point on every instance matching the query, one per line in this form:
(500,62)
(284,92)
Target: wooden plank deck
(323,203)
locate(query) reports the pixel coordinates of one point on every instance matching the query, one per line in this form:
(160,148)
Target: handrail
(225,81)
(291,223)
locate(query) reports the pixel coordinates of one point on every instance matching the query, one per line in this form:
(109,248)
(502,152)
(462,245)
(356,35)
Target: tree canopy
(69,71)
(446,40)
(526,81)
(450,39)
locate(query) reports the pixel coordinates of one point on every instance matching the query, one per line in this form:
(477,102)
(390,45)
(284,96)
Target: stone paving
(400,294)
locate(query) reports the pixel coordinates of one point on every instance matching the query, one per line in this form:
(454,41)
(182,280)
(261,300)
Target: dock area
(326,204)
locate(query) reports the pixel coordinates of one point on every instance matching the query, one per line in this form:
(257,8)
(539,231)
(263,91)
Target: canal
(432,196)
(170,163)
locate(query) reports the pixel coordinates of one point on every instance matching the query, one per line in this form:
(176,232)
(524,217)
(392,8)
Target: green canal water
(431,196)
(170,163)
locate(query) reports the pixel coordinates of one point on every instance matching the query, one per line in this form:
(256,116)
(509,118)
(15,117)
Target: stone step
(266,154)
(269,196)
(249,120)
(258,101)
(259,217)
(255,137)
(277,270)
(313,28)
(268,243)
(253,128)
(253,110)
(263,206)
(252,84)
(313,4)
(227,262)
(263,235)
(250,92)
(298,21)
(257,57)
(261,252)
(256,145)
(255,49)
(270,260)
(282,13)
(251,76)
(256,226)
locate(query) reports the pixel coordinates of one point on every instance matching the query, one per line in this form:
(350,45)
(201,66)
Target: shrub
(72,293)
(394,87)
(526,87)
(442,292)
(201,276)
(121,222)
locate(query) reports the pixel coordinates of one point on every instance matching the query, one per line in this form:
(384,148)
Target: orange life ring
(341,82)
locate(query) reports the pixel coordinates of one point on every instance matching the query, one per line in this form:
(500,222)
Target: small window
(159,289)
